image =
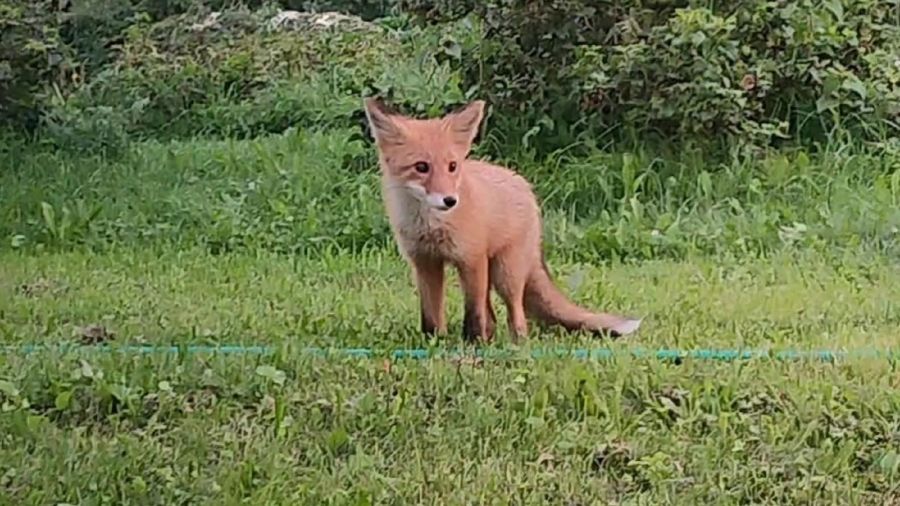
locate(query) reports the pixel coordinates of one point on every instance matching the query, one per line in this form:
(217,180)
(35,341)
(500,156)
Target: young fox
(481,218)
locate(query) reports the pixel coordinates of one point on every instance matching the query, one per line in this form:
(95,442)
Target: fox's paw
(479,325)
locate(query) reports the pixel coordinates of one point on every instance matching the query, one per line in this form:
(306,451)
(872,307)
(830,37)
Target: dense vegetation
(181,172)
(557,72)
(651,128)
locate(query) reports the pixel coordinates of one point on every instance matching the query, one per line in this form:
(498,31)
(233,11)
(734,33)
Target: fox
(446,208)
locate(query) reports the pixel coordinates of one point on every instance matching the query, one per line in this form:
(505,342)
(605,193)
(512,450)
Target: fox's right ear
(385,127)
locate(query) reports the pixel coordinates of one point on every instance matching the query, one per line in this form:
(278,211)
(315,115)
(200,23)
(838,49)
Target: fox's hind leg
(508,276)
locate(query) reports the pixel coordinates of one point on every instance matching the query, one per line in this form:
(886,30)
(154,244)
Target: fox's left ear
(464,123)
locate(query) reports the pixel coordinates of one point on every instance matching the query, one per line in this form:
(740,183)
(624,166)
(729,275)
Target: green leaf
(338,439)
(86,371)
(889,463)
(271,373)
(63,400)
(836,8)
(8,389)
(49,215)
(36,45)
(34,422)
(854,84)
(825,103)
(698,38)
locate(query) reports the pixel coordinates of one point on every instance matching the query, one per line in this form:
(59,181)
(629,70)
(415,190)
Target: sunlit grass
(282,242)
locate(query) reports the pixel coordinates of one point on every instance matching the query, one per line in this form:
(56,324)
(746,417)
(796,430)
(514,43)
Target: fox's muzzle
(442,201)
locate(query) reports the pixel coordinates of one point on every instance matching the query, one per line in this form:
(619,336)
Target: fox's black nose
(449,201)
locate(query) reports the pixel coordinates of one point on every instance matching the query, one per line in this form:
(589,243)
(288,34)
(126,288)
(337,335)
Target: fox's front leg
(430,282)
(478,320)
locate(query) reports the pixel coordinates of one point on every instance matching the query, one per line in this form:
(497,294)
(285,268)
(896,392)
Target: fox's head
(424,156)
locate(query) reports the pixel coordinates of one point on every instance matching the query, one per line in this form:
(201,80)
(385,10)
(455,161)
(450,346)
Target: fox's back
(502,202)
(508,188)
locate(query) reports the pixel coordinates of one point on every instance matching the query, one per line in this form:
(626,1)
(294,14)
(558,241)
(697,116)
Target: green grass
(368,300)
(282,241)
(317,192)
(262,225)
(282,428)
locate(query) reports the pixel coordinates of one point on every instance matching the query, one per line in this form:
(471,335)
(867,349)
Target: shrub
(555,73)
(31,57)
(751,71)
(237,74)
(756,70)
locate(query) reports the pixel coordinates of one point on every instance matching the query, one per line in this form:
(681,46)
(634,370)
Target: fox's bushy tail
(544,301)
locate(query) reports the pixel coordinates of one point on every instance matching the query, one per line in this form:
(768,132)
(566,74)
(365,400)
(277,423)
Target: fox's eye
(421,167)
(452,166)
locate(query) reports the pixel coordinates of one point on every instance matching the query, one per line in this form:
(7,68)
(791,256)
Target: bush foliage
(753,71)
(241,73)
(31,58)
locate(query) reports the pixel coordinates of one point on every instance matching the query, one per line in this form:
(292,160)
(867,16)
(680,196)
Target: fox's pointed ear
(385,127)
(463,124)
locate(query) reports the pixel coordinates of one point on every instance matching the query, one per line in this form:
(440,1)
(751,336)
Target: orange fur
(481,218)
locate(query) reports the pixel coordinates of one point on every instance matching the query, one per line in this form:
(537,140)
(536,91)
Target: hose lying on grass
(538,353)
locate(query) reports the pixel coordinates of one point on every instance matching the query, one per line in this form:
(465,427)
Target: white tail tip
(626,326)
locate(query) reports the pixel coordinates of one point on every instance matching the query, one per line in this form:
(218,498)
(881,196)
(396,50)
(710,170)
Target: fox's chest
(419,233)
(418,239)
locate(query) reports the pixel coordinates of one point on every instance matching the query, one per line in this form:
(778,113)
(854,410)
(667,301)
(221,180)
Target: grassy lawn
(368,300)
(118,428)
(200,174)
(282,241)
